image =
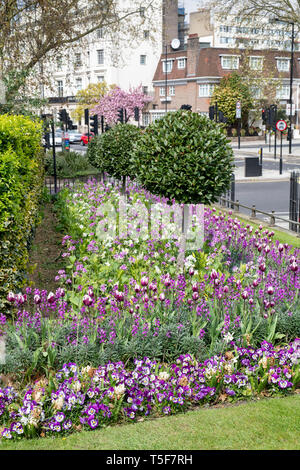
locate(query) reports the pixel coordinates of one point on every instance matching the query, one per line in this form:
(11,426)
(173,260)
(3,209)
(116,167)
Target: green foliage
(185,157)
(233,88)
(21,187)
(68,164)
(110,151)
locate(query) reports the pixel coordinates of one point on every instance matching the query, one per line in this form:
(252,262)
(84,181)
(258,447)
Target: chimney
(192,54)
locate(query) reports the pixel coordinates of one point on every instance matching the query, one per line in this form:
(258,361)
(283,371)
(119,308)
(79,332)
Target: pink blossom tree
(115,99)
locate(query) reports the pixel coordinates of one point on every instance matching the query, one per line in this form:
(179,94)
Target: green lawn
(268,424)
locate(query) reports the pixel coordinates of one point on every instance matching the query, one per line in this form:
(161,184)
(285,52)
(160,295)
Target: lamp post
(166,79)
(291,79)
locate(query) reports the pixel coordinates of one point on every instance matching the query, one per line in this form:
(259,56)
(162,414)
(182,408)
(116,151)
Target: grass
(267,424)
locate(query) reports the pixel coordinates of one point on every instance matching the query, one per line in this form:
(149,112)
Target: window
(142,59)
(283,65)
(256,92)
(167,66)
(59,63)
(181,63)
(157,116)
(225,29)
(78,62)
(100,56)
(78,83)
(225,40)
(283,92)
(100,33)
(145,90)
(162,91)
(142,12)
(100,78)
(146,34)
(206,89)
(145,119)
(230,62)
(171,91)
(256,63)
(60,88)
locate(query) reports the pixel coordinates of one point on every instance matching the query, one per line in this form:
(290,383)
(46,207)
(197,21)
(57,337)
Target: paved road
(266,196)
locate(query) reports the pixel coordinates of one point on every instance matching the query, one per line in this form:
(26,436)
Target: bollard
(272,219)
(237,204)
(253,212)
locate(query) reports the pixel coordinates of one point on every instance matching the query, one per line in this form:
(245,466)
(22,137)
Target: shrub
(185,157)
(110,151)
(21,187)
(69,164)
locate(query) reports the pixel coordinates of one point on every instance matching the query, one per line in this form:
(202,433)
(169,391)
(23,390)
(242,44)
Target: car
(57,138)
(74,136)
(84,138)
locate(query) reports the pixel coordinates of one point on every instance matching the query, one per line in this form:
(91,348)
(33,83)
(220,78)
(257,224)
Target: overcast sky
(190,5)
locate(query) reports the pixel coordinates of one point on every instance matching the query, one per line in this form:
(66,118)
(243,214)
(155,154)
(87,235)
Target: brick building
(190,74)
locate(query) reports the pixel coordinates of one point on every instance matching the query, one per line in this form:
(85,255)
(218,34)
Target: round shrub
(110,151)
(185,157)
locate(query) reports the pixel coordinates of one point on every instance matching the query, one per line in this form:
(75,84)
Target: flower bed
(123,303)
(88,398)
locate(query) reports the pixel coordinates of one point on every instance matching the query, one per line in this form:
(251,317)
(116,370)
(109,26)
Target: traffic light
(186,106)
(70,125)
(86,117)
(273,114)
(222,118)
(211,112)
(121,115)
(94,124)
(136,114)
(263,116)
(62,115)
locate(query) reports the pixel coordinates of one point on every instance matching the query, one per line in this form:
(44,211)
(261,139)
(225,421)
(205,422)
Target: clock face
(175,43)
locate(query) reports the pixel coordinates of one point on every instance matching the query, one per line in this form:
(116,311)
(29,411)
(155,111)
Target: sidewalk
(267,176)
(252,148)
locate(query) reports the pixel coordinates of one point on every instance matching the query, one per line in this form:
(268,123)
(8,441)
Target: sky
(190,5)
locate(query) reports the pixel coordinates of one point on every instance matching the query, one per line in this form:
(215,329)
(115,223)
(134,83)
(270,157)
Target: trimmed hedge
(110,151)
(21,187)
(184,156)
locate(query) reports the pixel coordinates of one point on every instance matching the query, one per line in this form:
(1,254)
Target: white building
(127,60)
(256,33)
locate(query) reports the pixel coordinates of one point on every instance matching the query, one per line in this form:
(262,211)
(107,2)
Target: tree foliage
(184,156)
(89,97)
(232,88)
(34,32)
(115,99)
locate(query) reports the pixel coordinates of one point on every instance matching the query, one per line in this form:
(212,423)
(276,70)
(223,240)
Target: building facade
(189,74)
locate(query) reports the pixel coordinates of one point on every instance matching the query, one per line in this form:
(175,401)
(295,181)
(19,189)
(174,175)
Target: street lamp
(291,79)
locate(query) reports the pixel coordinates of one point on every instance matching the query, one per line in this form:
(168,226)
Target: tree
(232,88)
(34,32)
(259,9)
(89,97)
(115,99)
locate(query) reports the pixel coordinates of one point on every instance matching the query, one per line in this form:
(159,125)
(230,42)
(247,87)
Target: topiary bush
(185,157)
(110,151)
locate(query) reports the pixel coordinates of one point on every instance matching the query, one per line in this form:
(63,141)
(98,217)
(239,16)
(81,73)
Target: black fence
(294,213)
(56,185)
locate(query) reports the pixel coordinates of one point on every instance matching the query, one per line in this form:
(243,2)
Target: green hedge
(21,187)
(110,151)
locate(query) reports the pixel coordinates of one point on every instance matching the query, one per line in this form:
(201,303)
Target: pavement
(251,149)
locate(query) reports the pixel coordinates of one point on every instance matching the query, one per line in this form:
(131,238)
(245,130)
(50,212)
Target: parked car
(74,137)
(57,138)
(84,138)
